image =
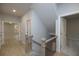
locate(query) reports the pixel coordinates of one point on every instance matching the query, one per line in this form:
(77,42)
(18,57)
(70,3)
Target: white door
(62,34)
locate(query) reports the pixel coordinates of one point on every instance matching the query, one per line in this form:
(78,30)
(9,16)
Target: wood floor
(59,54)
(13,47)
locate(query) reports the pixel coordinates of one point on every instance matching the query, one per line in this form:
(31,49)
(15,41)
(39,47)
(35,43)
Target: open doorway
(69,34)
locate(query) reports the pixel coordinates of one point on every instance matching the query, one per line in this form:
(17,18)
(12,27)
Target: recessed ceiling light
(14,10)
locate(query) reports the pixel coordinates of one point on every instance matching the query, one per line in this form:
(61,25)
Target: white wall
(47,14)
(39,32)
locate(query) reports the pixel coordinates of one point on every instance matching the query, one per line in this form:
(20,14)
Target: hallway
(11,45)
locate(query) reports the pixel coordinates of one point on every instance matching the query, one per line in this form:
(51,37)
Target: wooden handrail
(50,39)
(44,41)
(36,42)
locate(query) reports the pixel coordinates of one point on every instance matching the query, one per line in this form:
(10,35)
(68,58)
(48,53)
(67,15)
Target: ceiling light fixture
(14,10)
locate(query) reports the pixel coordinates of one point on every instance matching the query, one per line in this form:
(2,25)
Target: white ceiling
(21,8)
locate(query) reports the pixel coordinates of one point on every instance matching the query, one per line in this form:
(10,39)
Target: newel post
(43,46)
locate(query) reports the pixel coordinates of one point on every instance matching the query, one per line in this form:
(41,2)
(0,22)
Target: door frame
(58,29)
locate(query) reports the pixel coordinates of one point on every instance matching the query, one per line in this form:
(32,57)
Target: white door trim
(58,42)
